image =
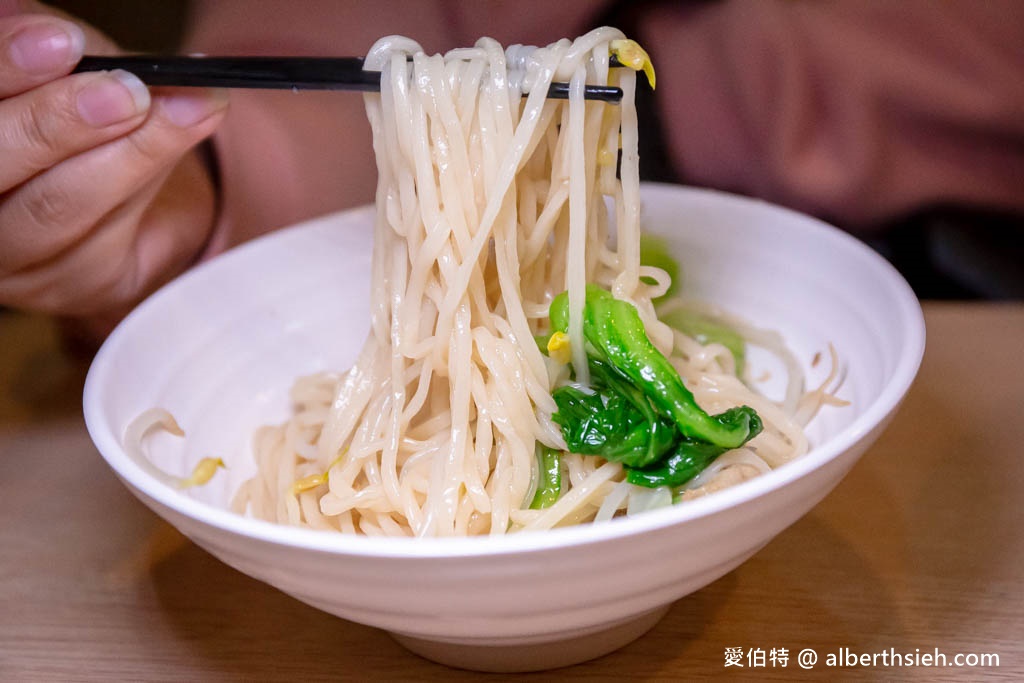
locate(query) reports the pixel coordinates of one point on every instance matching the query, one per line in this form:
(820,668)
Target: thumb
(96,43)
(8,8)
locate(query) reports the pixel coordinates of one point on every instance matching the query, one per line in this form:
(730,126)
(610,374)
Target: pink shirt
(859,112)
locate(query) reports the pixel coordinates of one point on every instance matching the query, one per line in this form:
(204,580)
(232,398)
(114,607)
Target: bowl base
(497,658)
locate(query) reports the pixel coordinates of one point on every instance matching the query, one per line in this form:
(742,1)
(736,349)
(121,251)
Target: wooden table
(921,547)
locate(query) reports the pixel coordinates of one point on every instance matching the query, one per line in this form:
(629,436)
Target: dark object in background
(139,25)
(958,253)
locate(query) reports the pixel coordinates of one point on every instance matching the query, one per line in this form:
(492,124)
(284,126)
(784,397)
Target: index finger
(35,49)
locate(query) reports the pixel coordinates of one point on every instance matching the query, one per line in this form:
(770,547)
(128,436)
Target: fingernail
(187,110)
(112,97)
(47,47)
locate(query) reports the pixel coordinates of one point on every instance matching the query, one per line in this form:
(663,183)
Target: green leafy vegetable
(687,461)
(615,333)
(615,421)
(637,410)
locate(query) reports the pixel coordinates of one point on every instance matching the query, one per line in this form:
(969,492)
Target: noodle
(489,204)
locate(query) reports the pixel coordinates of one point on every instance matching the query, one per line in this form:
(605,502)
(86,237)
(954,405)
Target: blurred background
(945,252)
(143,25)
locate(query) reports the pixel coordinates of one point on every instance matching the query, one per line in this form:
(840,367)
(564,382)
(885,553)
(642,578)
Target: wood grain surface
(920,548)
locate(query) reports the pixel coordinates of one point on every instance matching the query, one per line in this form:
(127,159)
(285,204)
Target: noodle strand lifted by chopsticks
(489,203)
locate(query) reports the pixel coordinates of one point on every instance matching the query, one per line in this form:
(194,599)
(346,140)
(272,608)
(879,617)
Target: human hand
(102,196)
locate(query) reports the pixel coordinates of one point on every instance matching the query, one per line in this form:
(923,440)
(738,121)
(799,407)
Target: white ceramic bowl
(221,346)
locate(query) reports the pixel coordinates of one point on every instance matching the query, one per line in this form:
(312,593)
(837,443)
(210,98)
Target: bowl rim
(150,490)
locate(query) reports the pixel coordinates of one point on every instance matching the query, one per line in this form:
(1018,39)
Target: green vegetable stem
(654,251)
(549,483)
(706,330)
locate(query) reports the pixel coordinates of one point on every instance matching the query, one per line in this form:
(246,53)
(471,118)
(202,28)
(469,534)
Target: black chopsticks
(278,73)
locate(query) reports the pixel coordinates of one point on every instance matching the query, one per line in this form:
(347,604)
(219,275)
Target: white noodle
(489,205)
